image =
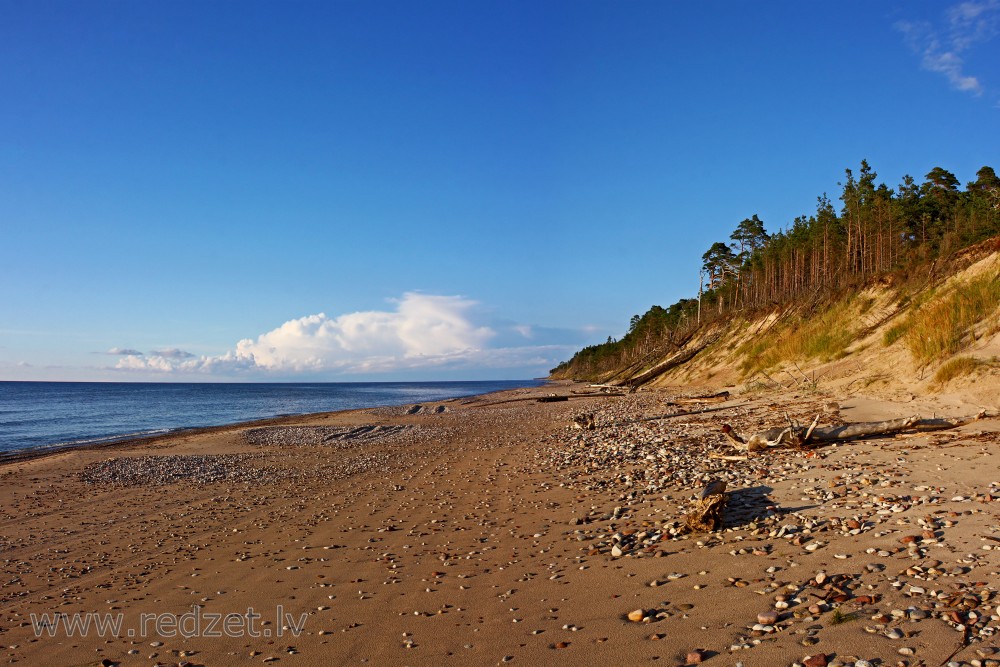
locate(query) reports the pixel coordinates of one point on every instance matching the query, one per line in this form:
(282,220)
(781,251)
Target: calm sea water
(41,414)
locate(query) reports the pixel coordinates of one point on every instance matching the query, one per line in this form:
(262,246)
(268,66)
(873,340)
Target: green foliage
(646,334)
(718,262)
(749,236)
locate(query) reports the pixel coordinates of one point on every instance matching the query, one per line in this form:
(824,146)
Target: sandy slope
(484,534)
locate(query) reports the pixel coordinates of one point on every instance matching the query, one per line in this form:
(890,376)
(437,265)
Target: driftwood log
(720,397)
(799,436)
(706,515)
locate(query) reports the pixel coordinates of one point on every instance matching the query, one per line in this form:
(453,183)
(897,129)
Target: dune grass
(895,332)
(824,336)
(942,327)
(956,367)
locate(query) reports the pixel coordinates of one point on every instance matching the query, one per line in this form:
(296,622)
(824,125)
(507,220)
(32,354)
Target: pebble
(129,471)
(767,617)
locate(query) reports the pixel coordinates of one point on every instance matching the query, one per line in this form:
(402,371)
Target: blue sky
(433,190)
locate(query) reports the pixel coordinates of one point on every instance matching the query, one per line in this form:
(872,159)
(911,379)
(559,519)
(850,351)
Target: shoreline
(41,451)
(491,531)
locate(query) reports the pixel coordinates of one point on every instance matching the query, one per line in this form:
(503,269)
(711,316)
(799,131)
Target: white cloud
(134,362)
(424,329)
(973,22)
(941,47)
(525,330)
(950,64)
(422,332)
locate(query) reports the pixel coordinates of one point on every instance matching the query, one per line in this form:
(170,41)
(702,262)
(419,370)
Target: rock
(694,657)
(818,660)
(636,615)
(767,617)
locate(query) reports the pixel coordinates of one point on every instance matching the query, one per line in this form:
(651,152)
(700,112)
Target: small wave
(111,438)
(80,442)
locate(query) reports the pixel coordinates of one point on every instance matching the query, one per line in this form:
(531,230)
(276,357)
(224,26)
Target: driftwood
(598,394)
(551,398)
(706,515)
(798,436)
(685,413)
(710,398)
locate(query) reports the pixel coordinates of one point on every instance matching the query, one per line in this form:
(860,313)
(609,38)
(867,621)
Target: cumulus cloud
(941,47)
(134,362)
(124,351)
(422,332)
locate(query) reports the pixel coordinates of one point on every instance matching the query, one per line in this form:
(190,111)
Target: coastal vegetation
(941,326)
(956,367)
(812,271)
(824,336)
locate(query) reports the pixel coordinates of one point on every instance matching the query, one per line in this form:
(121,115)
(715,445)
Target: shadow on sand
(753,503)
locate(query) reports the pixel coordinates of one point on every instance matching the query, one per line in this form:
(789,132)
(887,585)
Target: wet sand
(488,530)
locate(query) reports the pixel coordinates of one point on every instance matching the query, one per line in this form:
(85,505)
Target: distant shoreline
(141,437)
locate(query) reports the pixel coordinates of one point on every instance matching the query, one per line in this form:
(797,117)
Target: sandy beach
(489,530)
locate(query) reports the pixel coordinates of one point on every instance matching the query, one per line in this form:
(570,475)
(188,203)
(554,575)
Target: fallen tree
(797,436)
(682,356)
(719,397)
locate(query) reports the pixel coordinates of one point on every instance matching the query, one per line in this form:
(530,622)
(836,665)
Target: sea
(59,414)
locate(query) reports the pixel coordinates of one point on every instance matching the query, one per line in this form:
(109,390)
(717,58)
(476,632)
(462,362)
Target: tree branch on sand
(706,513)
(797,436)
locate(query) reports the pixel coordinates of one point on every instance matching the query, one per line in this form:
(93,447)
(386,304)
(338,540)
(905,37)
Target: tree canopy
(878,230)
